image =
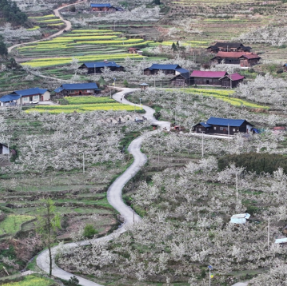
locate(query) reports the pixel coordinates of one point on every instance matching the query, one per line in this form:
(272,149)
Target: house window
(36,98)
(199,129)
(221,128)
(25,99)
(234,130)
(214,128)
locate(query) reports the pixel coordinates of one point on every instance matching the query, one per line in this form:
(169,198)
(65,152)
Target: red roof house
(215,78)
(244,59)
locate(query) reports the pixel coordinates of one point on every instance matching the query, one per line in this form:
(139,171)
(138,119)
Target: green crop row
(223,95)
(12,223)
(83,108)
(47,62)
(41,17)
(32,280)
(88,100)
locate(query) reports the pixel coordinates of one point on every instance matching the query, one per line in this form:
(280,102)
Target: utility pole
(268,233)
(202,153)
(8,150)
(83,162)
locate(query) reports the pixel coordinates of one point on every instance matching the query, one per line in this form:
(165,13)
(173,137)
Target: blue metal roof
(225,122)
(30,92)
(9,98)
(94,5)
(205,125)
(83,86)
(101,64)
(164,67)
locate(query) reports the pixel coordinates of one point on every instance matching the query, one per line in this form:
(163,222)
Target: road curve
(114,194)
(57,14)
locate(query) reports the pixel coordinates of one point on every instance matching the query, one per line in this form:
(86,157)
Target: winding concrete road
(114,194)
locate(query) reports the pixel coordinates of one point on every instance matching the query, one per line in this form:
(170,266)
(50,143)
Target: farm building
(135,51)
(181,80)
(228,47)
(96,67)
(243,59)
(77,89)
(215,78)
(223,126)
(29,96)
(4,149)
(168,69)
(231,81)
(102,7)
(211,78)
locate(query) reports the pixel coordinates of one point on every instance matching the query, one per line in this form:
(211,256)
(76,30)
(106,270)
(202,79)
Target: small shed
(144,86)
(239,218)
(4,149)
(281,240)
(231,81)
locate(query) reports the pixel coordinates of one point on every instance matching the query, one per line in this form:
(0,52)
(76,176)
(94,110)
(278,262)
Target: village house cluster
(230,53)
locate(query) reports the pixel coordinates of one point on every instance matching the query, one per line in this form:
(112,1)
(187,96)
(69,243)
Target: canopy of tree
(259,162)
(3,49)
(10,12)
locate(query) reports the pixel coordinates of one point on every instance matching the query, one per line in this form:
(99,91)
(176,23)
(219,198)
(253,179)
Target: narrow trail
(114,194)
(57,14)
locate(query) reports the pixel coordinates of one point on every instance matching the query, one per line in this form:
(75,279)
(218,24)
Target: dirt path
(114,194)
(57,13)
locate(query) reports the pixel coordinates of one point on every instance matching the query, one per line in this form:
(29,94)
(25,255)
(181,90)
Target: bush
(126,84)
(89,231)
(72,8)
(258,162)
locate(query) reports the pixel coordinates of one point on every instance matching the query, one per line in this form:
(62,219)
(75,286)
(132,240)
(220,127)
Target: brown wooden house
(236,58)
(77,89)
(210,78)
(223,126)
(182,79)
(228,47)
(231,81)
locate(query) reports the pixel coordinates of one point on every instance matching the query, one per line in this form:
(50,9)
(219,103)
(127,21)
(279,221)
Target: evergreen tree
(10,12)
(3,50)
(157,2)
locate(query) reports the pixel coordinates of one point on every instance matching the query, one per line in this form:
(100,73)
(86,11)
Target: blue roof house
(223,126)
(168,69)
(28,96)
(96,67)
(103,7)
(77,89)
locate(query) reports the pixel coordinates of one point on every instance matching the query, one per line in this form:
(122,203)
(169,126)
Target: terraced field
(85,45)
(223,95)
(85,104)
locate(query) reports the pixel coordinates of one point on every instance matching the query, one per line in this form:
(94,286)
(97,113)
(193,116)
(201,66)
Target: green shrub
(89,231)
(126,84)
(258,162)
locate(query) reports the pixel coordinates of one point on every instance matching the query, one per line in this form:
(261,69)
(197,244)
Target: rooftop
(164,67)
(30,92)
(208,74)
(101,64)
(225,122)
(237,55)
(95,5)
(83,86)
